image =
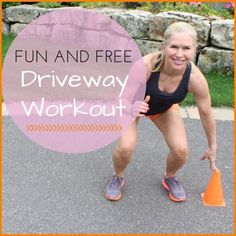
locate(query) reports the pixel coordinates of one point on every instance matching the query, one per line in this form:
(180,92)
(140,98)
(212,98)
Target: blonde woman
(171,74)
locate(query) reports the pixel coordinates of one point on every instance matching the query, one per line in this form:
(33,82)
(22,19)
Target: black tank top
(161,101)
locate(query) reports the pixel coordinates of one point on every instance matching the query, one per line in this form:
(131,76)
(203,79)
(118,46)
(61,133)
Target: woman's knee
(125,150)
(181,152)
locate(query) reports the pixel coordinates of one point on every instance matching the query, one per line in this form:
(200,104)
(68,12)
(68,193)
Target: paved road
(49,192)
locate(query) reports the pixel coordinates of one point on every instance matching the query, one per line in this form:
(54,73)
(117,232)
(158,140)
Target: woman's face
(179,51)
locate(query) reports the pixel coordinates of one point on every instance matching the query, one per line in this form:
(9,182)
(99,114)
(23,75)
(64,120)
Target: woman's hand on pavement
(210,154)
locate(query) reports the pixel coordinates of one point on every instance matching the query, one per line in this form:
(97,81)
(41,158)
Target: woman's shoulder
(150,62)
(151,57)
(197,79)
(196,72)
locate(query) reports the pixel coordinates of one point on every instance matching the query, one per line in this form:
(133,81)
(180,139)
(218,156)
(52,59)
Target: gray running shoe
(114,188)
(175,189)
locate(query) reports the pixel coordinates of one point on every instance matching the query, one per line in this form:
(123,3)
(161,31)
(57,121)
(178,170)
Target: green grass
(221,89)
(6,42)
(221,86)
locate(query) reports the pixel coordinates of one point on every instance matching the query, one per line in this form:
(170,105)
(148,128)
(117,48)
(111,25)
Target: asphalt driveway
(49,192)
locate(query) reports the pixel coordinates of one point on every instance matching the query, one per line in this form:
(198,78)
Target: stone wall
(215,35)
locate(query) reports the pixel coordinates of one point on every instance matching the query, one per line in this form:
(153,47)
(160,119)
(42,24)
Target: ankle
(167,175)
(121,175)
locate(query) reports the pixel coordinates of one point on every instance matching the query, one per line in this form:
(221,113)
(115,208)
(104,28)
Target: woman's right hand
(140,107)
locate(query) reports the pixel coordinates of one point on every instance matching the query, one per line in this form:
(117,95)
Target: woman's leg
(121,158)
(124,149)
(171,125)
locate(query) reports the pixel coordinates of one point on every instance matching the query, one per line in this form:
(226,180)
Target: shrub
(204,9)
(199,8)
(10,4)
(196,8)
(132,5)
(48,4)
(100,4)
(230,7)
(72,4)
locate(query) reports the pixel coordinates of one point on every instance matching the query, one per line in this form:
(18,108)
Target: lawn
(221,89)
(221,86)
(6,42)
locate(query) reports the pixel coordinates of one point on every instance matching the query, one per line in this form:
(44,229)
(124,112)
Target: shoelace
(175,183)
(115,182)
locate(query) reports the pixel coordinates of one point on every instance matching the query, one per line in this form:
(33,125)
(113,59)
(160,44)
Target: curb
(224,114)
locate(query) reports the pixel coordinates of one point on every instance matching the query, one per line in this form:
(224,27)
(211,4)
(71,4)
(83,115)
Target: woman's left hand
(210,154)
(140,107)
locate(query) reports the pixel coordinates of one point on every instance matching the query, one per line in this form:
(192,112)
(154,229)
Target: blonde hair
(177,27)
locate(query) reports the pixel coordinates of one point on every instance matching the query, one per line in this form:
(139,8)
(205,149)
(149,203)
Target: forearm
(209,125)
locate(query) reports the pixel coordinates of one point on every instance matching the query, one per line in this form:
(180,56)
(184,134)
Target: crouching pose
(171,74)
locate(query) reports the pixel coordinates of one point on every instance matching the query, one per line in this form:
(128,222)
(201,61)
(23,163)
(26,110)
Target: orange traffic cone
(213,195)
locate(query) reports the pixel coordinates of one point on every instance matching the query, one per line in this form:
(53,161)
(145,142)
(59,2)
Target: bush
(204,9)
(10,4)
(100,4)
(196,8)
(48,4)
(72,4)
(230,7)
(132,5)
(199,8)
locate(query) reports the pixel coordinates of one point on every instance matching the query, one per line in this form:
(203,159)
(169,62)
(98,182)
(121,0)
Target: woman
(171,74)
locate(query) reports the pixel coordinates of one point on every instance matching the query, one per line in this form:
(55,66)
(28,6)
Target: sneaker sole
(165,186)
(117,197)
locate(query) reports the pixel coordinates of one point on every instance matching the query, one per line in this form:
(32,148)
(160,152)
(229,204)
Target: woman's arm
(199,88)
(139,108)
